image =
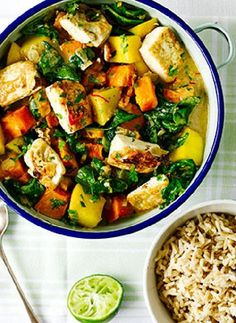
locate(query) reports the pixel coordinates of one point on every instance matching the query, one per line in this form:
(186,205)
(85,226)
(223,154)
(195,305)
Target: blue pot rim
(189,191)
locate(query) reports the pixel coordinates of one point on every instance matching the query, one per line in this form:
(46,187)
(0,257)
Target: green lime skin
(95,298)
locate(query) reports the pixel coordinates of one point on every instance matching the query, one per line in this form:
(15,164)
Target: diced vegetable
(141,67)
(179,94)
(14,55)
(16,123)
(40,27)
(192,148)
(12,166)
(2,141)
(69,48)
(125,49)
(53,203)
(144,28)
(145,94)
(15,144)
(33,47)
(52,120)
(83,210)
(95,151)
(117,208)
(104,103)
(121,75)
(136,123)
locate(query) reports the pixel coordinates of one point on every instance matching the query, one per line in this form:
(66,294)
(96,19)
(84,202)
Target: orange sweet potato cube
(17,123)
(53,203)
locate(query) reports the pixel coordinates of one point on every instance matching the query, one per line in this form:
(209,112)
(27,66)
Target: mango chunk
(104,103)
(14,54)
(144,28)
(83,209)
(192,148)
(126,49)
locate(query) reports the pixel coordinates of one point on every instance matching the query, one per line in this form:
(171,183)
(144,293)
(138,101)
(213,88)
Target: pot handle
(222,31)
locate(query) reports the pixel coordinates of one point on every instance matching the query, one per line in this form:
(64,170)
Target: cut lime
(95,298)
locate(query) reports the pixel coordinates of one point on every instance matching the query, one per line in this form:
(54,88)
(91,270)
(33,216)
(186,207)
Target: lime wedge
(95,298)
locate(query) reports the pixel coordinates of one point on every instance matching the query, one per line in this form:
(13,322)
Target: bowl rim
(199,178)
(148,264)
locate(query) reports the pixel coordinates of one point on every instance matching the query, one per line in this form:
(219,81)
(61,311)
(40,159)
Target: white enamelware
(156,308)
(211,79)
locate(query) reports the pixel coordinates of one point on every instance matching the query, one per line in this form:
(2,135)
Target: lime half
(95,298)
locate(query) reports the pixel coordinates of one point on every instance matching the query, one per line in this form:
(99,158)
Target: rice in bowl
(196,270)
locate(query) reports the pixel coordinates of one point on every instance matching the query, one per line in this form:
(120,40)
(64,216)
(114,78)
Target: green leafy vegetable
(27,194)
(73,140)
(40,28)
(173,71)
(67,72)
(56,203)
(119,117)
(53,67)
(180,175)
(71,7)
(50,60)
(167,120)
(96,181)
(123,14)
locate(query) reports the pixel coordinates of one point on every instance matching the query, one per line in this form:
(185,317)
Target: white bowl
(156,308)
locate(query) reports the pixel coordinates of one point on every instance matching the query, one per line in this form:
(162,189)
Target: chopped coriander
(92,79)
(173,71)
(61,144)
(124,43)
(59,115)
(73,212)
(56,203)
(79,97)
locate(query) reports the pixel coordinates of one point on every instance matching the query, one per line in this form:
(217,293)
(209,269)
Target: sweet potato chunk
(53,203)
(17,123)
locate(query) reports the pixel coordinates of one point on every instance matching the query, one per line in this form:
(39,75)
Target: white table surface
(47,264)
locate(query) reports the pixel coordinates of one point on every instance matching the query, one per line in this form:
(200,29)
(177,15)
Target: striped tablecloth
(47,264)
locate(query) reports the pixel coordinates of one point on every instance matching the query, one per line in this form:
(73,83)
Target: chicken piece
(88,26)
(161,51)
(69,102)
(17,81)
(44,164)
(126,151)
(148,195)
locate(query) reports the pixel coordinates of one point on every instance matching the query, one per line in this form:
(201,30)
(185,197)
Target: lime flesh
(95,298)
